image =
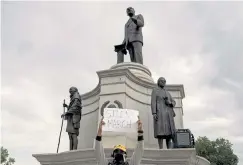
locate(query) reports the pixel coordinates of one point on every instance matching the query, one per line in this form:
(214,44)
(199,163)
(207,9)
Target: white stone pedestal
(127,86)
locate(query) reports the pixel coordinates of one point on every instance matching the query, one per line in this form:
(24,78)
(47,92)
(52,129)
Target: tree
(4,157)
(218,152)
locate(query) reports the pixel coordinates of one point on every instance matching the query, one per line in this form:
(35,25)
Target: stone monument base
(126,86)
(150,156)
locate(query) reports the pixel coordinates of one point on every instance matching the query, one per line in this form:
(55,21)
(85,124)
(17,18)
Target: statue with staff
(73,117)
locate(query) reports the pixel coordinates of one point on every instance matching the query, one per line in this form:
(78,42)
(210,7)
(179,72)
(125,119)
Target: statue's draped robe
(73,116)
(165,125)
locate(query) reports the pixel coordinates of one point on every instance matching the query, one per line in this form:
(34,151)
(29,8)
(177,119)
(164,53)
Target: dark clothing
(133,30)
(135,51)
(73,114)
(164,126)
(121,51)
(134,38)
(73,141)
(114,163)
(135,159)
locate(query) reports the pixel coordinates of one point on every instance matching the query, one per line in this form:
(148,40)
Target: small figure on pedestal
(162,110)
(73,117)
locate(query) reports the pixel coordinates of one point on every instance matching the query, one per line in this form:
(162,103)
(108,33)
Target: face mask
(119,156)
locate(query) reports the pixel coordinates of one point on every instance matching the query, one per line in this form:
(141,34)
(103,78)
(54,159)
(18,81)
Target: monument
(129,85)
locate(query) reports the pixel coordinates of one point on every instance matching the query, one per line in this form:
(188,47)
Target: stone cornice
(136,80)
(132,65)
(126,72)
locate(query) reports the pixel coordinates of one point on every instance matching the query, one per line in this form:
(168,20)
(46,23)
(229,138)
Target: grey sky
(49,46)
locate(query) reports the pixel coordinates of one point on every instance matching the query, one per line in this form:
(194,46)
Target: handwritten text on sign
(120,120)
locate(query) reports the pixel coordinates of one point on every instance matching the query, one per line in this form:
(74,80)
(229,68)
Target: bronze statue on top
(162,109)
(73,117)
(133,40)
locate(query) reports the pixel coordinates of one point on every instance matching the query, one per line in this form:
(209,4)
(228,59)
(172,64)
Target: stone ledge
(66,157)
(132,65)
(150,156)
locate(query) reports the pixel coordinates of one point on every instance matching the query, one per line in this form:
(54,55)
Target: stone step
(150,156)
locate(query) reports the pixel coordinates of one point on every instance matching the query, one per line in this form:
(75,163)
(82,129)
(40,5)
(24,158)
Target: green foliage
(218,152)
(4,157)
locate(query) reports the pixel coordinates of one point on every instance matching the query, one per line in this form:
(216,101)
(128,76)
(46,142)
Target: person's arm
(139,21)
(99,150)
(138,152)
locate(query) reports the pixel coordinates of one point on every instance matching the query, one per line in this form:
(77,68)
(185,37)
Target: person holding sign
(119,153)
(120,120)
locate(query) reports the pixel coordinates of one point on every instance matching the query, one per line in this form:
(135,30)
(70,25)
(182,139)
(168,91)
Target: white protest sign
(120,120)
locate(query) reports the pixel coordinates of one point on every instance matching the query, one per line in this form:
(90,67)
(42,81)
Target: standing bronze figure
(134,36)
(133,40)
(162,109)
(73,117)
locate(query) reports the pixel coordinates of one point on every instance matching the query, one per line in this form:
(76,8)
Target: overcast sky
(48,47)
